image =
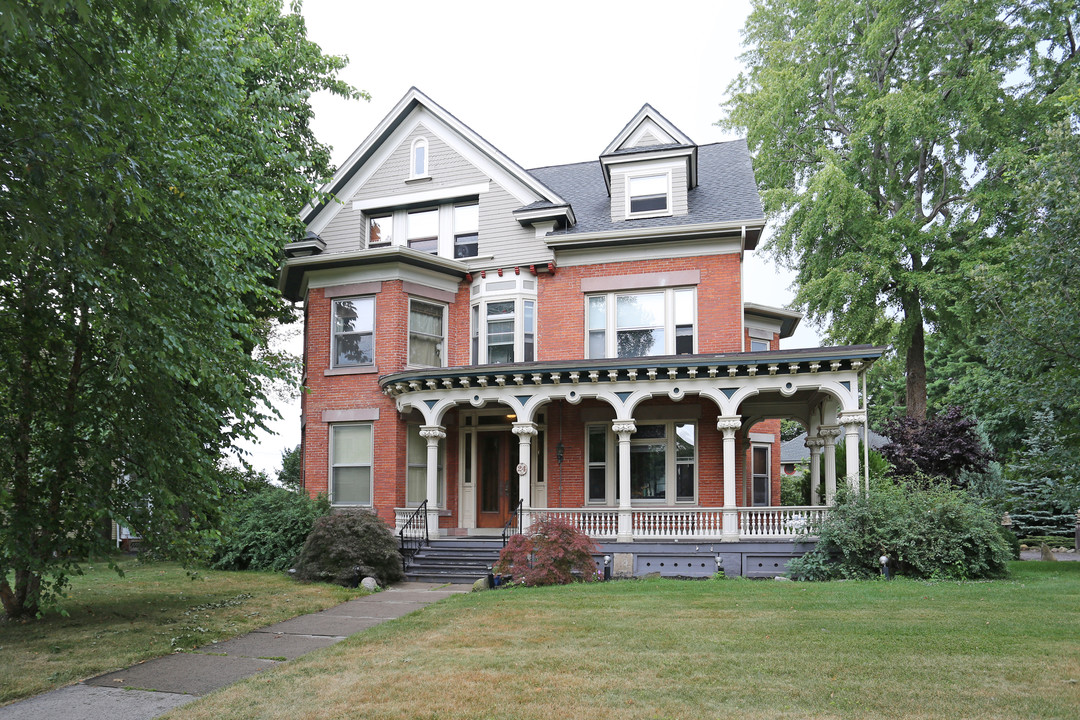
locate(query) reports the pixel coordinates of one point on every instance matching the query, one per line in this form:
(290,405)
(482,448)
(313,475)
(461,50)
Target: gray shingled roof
(725,192)
(795,450)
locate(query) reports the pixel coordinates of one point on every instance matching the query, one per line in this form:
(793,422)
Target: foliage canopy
(156,153)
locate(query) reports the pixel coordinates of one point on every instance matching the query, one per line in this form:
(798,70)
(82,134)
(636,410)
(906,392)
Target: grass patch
(154,609)
(721,648)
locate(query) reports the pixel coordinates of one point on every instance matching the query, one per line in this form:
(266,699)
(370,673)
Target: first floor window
(416,480)
(760,471)
(663,463)
(427,334)
(354,332)
(350,464)
(640,324)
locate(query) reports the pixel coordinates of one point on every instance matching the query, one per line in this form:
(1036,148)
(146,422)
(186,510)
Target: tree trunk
(915,369)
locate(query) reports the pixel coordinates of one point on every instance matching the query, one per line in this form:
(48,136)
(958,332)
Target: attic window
(418,167)
(648,194)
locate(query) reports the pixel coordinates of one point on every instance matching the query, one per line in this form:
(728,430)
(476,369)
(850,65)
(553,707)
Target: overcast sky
(546,83)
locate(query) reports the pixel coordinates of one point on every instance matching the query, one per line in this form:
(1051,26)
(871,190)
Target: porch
(657,524)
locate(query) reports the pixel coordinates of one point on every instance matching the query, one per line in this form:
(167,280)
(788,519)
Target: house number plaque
(522,469)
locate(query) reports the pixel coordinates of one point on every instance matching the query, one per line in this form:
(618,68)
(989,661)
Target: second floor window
(466,230)
(354,332)
(504,331)
(427,334)
(423,232)
(640,324)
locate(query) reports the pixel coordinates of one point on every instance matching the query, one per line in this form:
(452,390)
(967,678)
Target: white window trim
(768,473)
(611,331)
(374,332)
(413,175)
(655,172)
(370,466)
(758,340)
(409,332)
(611,480)
(478,319)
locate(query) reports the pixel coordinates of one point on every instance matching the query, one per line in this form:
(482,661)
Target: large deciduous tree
(154,156)
(881,131)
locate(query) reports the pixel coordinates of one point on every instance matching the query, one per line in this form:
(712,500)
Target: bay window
(641,324)
(503,331)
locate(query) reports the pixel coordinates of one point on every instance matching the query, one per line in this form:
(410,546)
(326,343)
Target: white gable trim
(655,119)
(444,193)
(413,108)
(645,126)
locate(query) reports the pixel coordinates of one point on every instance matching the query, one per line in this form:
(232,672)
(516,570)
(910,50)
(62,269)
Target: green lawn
(154,609)
(714,649)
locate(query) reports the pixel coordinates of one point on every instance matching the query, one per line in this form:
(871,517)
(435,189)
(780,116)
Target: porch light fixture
(607,567)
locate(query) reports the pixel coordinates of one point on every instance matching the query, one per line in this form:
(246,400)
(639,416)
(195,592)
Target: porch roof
(668,367)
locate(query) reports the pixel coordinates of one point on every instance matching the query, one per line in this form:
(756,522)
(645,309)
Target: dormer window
(649,195)
(418,168)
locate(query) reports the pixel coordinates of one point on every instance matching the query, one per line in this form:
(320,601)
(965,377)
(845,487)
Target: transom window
(648,194)
(640,324)
(423,230)
(427,334)
(354,332)
(350,464)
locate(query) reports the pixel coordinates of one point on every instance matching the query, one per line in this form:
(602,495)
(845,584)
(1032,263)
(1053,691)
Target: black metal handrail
(513,525)
(414,535)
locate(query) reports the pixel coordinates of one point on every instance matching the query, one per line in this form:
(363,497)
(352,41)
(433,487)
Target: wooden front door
(497,480)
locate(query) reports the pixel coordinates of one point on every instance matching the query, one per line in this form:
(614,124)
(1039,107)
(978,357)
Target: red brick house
(485,344)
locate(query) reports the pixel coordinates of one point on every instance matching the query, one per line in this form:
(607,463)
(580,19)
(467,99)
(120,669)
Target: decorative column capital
(852,418)
(814,443)
(728,425)
(433,433)
(829,434)
(623,427)
(522,429)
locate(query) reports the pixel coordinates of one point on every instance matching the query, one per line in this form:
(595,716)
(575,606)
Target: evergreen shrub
(266,529)
(344,548)
(551,552)
(928,530)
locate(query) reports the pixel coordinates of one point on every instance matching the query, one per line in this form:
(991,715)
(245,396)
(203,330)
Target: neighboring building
(570,340)
(795,453)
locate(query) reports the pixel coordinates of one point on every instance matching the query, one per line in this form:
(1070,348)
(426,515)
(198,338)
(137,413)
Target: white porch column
(433,434)
(525,431)
(852,422)
(624,429)
(728,425)
(829,435)
(815,444)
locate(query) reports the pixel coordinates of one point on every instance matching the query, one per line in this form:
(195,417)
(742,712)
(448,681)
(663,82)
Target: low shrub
(935,532)
(1051,540)
(344,548)
(266,530)
(551,552)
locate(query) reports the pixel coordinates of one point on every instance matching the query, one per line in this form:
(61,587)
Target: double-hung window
(759,461)
(504,331)
(423,230)
(354,332)
(427,334)
(648,195)
(640,324)
(350,464)
(466,230)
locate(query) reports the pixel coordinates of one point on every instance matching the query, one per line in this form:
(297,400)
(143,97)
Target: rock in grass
(370,584)
(479,585)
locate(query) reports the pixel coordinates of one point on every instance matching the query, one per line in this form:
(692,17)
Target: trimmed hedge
(345,547)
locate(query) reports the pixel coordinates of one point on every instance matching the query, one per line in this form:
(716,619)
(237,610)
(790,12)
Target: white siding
(503,236)
(618,197)
(678,190)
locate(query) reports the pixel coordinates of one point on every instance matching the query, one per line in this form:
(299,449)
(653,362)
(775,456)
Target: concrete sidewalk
(154,687)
